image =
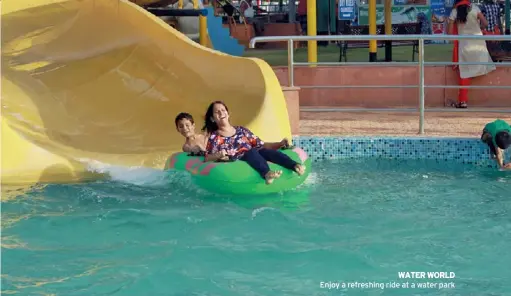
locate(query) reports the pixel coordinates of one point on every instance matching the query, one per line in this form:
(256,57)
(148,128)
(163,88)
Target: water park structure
(72,96)
(101,81)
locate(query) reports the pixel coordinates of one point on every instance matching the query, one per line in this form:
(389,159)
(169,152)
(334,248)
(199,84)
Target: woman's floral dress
(234,146)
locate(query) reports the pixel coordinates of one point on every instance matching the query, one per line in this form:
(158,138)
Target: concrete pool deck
(437,124)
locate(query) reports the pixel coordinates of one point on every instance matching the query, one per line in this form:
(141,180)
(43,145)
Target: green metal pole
(508,19)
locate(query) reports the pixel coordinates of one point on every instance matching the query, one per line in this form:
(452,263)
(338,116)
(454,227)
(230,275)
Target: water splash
(260,210)
(140,176)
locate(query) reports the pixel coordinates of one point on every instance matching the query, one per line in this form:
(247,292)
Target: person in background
(497,135)
(426,28)
(248,12)
(467,19)
(186,25)
(491,11)
(425,24)
(302,15)
(224,5)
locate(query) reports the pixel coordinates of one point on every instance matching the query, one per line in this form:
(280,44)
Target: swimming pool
(361,217)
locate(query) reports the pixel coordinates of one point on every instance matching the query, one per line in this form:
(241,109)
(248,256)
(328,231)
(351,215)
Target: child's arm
(485,137)
(202,142)
(500,158)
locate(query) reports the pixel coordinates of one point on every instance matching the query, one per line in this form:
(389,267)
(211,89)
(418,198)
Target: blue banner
(440,10)
(346,10)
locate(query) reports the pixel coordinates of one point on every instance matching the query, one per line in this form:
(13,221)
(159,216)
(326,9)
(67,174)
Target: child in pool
(497,135)
(195,144)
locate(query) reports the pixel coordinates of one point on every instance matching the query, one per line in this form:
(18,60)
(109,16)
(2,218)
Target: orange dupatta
(455,50)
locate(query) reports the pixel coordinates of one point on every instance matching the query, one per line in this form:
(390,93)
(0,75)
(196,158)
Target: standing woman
(467,19)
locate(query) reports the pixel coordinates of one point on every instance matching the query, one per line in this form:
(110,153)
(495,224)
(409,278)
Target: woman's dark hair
(503,140)
(462,13)
(209,125)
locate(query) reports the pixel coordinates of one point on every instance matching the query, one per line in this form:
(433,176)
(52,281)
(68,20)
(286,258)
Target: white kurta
(472,51)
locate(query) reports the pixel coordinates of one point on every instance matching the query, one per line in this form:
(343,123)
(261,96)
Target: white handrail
(407,37)
(420,63)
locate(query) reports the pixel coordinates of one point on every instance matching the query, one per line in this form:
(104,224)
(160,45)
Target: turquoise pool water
(353,221)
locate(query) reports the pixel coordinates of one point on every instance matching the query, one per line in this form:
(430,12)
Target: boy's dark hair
(503,140)
(183,115)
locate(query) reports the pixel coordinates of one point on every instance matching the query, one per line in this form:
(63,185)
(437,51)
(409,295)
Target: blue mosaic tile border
(463,150)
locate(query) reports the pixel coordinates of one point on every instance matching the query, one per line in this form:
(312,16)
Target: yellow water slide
(102,80)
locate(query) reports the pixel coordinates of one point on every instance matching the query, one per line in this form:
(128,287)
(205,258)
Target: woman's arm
(254,140)
(482,19)
(452,19)
(212,152)
(215,156)
(272,145)
(450,27)
(276,145)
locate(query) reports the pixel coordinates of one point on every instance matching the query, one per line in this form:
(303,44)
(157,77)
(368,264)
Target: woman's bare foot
(300,169)
(272,175)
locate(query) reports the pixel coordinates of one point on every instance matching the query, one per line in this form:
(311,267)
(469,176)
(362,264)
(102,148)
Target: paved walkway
(438,124)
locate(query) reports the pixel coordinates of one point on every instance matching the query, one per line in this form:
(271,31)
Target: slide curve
(102,80)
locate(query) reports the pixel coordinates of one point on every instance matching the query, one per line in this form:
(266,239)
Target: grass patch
(330,54)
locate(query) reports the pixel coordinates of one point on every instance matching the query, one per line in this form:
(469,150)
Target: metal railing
(420,64)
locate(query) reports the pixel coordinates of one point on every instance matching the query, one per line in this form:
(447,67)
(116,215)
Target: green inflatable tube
(238,177)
